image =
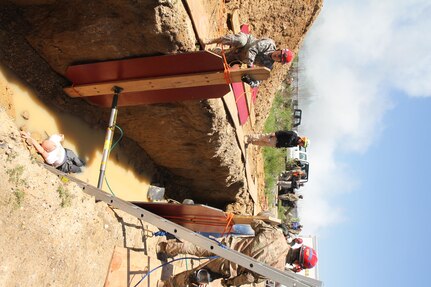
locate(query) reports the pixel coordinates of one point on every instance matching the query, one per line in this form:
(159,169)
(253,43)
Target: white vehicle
(297,152)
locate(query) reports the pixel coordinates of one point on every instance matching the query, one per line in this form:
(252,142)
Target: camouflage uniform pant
(217,267)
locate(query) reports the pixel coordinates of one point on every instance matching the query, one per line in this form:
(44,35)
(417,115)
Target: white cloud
(355,55)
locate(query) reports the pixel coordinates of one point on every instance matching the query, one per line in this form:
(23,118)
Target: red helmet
(286,56)
(307,257)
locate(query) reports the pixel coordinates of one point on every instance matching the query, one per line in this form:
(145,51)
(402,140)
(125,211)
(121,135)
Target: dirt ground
(44,243)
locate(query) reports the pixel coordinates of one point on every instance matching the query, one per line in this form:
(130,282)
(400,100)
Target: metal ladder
(288,279)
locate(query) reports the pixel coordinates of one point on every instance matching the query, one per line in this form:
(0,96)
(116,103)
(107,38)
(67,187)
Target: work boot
(161,251)
(247,141)
(216,50)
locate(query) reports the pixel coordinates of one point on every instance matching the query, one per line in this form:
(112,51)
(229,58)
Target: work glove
(248,80)
(298,240)
(296,269)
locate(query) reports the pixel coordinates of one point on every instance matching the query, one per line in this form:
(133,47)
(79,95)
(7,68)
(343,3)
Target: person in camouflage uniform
(290,197)
(269,246)
(248,50)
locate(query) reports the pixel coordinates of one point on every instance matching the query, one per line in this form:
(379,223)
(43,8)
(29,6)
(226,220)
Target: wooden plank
(168,82)
(247,219)
(161,96)
(234,21)
(249,99)
(229,101)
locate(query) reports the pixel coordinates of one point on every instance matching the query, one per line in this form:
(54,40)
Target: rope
(226,67)
(75,90)
(229,224)
(240,97)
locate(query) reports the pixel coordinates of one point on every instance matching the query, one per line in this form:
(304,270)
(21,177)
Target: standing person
(295,228)
(55,154)
(292,175)
(268,246)
(290,197)
(251,51)
(277,139)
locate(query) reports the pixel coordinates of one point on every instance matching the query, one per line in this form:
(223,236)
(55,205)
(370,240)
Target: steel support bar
(289,279)
(109,136)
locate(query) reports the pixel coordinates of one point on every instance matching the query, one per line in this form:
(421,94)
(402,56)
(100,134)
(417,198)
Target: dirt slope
(52,233)
(39,39)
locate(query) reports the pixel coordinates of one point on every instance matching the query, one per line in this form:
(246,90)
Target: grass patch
(19,197)
(11,156)
(280,118)
(274,164)
(65,196)
(15,175)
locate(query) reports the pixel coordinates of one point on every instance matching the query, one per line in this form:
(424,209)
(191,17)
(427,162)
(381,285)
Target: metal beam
(288,279)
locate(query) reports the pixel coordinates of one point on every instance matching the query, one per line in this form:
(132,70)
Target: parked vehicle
(297,152)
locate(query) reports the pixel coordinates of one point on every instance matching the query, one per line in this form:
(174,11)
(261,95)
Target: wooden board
(201,11)
(229,101)
(166,82)
(150,67)
(249,98)
(144,67)
(234,21)
(247,219)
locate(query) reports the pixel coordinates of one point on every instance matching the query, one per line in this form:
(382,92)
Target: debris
(155,193)
(25,115)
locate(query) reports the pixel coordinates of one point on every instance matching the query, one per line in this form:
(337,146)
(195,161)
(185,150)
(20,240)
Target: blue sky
(369,195)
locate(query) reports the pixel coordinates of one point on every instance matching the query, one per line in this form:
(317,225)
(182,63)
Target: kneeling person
(55,154)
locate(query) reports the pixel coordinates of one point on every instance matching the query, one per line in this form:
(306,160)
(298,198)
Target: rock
(25,115)
(37,137)
(13,136)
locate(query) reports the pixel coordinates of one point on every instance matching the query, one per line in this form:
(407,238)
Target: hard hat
(306,141)
(286,56)
(307,257)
